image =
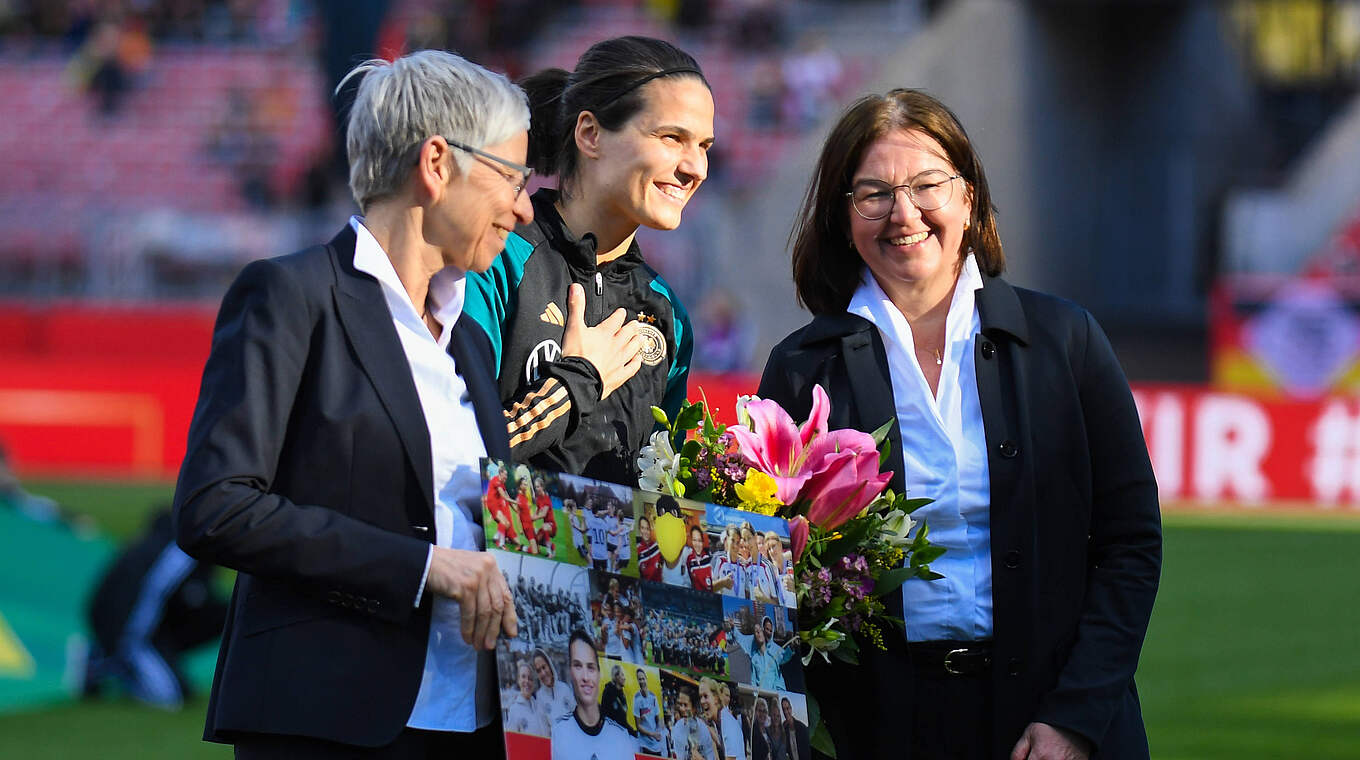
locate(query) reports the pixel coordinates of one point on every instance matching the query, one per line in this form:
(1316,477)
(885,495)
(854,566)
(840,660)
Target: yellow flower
(757,494)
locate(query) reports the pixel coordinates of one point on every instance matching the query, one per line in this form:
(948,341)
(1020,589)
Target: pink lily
(798,536)
(846,477)
(777,447)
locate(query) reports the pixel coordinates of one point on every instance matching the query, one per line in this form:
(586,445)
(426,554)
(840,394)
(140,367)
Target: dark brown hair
(826,267)
(608,82)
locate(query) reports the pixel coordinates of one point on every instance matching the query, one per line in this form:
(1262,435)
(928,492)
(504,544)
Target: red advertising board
(1212,446)
(101,392)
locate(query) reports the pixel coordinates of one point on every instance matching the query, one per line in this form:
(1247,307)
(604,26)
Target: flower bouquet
(853,539)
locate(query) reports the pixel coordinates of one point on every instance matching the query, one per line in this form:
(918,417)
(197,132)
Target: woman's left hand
(1044,742)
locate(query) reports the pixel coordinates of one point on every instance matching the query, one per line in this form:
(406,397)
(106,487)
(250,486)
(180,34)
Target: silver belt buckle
(948,667)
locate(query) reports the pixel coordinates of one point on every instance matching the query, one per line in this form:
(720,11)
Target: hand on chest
(540,330)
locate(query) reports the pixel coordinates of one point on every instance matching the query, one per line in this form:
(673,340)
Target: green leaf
(844,655)
(690,451)
(814,711)
(704,495)
(679,488)
(852,537)
(911,505)
(882,443)
(689,416)
(821,740)
(891,580)
(881,434)
(710,427)
(927,555)
(926,574)
(921,533)
(659,415)
(849,646)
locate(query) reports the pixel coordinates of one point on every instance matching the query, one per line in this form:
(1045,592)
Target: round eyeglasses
(928,190)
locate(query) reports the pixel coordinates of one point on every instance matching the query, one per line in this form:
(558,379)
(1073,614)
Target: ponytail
(546,138)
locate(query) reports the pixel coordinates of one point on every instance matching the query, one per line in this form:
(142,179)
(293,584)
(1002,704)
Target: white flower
(897,525)
(658,463)
(658,450)
(822,640)
(742,417)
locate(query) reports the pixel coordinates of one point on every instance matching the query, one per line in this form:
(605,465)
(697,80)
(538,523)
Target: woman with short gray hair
(333,457)
(427,93)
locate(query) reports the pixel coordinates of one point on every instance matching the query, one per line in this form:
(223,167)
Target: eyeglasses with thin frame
(524,171)
(929,190)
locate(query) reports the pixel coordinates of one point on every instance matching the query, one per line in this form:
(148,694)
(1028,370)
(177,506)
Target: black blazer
(1075,521)
(309,471)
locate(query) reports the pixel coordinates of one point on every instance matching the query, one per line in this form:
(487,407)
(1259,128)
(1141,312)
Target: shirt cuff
(425,576)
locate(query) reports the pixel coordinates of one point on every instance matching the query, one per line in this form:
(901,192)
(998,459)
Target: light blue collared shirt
(456,687)
(944,450)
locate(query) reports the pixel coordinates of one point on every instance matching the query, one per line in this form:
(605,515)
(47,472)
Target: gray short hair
(402,103)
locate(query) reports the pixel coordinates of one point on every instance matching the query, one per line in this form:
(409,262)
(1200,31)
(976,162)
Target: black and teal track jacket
(553,408)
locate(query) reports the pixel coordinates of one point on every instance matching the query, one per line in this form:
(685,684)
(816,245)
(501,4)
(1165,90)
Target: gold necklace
(938,359)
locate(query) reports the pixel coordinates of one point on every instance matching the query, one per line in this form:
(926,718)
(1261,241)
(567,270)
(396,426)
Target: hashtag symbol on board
(1335,468)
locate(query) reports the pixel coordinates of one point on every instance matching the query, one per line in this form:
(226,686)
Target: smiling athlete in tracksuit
(553,407)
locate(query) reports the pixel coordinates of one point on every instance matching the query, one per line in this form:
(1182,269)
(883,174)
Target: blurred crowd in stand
(217,130)
(112,42)
(203,21)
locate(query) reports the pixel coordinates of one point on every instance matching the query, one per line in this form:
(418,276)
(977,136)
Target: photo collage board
(650,626)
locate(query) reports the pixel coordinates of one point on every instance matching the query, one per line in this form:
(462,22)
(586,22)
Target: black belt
(939,659)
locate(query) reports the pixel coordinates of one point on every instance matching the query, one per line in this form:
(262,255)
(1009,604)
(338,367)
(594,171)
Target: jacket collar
(834,325)
(580,254)
(1000,310)
(367,323)
(998,307)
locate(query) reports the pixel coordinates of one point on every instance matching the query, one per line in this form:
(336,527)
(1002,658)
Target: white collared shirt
(451,696)
(944,450)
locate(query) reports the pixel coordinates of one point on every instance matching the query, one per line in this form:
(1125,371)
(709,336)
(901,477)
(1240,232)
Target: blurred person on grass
(33,506)
(333,457)
(152,604)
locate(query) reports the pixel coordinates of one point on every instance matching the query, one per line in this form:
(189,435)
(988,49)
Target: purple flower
(733,467)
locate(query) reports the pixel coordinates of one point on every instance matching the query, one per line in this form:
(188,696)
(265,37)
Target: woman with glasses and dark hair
(1010,411)
(627,135)
(333,458)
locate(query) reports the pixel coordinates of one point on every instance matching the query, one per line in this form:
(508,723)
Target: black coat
(309,471)
(1075,521)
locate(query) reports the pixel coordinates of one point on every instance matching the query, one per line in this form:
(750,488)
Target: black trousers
(951,717)
(411,744)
